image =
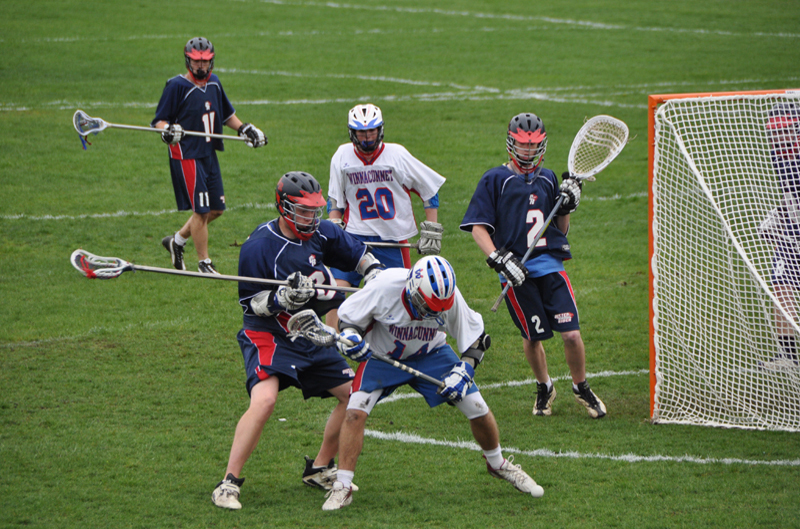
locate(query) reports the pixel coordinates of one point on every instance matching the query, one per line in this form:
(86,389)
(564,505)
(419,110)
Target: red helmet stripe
(525,136)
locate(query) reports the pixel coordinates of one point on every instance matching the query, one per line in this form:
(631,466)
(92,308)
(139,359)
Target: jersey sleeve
(336,197)
(342,250)
(463,323)
(254,261)
(482,208)
(167,108)
(225,105)
(418,177)
(358,308)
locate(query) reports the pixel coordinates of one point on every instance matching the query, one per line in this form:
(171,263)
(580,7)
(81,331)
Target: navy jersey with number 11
(194,108)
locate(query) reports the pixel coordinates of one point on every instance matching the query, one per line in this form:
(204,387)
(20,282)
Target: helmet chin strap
(199,82)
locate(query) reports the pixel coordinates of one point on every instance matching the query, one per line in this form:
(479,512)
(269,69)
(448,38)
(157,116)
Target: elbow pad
(260,303)
(474,355)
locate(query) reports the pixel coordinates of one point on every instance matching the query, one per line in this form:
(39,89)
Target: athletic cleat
(175,252)
(206,267)
(319,477)
(544,400)
(339,496)
(586,396)
(226,495)
(780,362)
(516,476)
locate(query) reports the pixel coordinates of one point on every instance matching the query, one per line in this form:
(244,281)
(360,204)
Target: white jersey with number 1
(381,310)
(376,197)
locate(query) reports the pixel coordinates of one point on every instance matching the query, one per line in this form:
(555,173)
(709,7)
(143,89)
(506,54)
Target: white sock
(494,457)
(206,261)
(180,241)
(345,476)
(549,384)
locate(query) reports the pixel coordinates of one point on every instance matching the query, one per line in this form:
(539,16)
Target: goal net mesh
(722,326)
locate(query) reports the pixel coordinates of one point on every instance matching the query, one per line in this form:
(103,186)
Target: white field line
(515,383)
(249,205)
(592,95)
(582,24)
(543,452)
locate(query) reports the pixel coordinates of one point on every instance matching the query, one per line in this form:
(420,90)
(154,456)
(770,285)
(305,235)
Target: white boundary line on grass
(249,205)
(543,452)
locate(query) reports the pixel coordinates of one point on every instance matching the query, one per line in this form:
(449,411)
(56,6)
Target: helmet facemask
(365,118)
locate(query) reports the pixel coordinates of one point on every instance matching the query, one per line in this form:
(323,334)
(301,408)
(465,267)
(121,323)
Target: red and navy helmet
(526,142)
(783,129)
(199,49)
(298,197)
(430,287)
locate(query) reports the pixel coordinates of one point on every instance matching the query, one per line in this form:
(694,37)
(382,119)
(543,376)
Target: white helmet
(365,117)
(431,287)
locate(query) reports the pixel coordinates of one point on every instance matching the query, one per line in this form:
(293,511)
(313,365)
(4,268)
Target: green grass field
(118,399)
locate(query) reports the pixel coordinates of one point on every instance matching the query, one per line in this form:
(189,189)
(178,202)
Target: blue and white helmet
(365,117)
(431,287)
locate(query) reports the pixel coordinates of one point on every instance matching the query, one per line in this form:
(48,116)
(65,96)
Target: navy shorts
(198,184)
(375,374)
(391,257)
(314,372)
(542,305)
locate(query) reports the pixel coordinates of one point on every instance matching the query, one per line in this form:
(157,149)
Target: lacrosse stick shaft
(399,365)
(410,370)
(531,248)
(186,132)
(223,277)
(392,244)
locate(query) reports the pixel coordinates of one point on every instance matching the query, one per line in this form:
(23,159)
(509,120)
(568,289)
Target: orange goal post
(719,328)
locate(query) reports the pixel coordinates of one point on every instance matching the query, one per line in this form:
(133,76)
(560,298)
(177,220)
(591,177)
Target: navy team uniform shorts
(198,184)
(314,373)
(542,305)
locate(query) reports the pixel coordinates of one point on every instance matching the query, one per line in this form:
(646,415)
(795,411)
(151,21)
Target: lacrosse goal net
(718,331)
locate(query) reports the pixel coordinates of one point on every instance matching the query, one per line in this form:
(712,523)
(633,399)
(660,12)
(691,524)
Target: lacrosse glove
(430,238)
(253,136)
(173,134)
(505,263)
(458,382)
(293,296)
(358,351)
(571,188)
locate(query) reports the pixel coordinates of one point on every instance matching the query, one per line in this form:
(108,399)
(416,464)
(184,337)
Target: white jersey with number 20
(376,196)
(379,309)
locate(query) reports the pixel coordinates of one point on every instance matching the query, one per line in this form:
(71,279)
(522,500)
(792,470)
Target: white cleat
(226,495)
(517,477)
(339,496)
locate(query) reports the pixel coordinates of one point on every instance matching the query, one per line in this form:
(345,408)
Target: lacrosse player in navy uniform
(297,247)
(369,194)
(195,101)
(782,227)
(505,214)
(406,314)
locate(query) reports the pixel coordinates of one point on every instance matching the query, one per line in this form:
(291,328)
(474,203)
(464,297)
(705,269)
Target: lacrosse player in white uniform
(405,315)
(369,194)
(505,213)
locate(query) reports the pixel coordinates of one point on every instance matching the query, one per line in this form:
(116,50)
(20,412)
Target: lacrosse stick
(96,267)
(392,244)
(595,146)
(86,125)
(307,324)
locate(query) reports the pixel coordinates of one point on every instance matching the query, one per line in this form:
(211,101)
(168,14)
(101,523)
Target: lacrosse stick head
(96,267)
(306,324)
(598,142)
(85,124)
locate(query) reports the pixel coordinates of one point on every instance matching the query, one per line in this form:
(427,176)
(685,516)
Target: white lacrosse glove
(359,351)
(508,265)
(430,238)
(299,291)
(571,188)
(253,135)
(173,134)
(458,382)
(339,222)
